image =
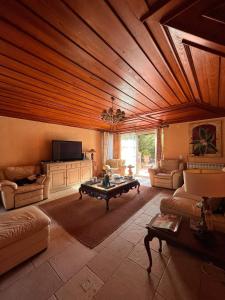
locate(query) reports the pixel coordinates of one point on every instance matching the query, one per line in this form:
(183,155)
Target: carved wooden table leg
(107,204)
(138,188)
(147,239)
(80,191)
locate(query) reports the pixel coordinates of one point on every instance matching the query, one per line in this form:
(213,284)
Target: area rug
(87,219)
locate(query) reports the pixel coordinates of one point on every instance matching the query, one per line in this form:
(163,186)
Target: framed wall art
(205,138)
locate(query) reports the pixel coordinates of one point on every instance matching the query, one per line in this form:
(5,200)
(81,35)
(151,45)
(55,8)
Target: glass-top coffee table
(98,191)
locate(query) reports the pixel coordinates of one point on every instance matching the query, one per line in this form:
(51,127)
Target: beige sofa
(185,204)
(168,174)
(14,196)
(23,233)
(116,166)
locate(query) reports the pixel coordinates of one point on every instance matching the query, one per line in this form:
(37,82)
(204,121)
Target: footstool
(23,233)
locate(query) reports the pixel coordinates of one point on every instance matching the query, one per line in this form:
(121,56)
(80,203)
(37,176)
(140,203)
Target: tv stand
(64,175)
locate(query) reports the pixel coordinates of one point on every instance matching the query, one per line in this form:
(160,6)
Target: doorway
(146,154)
(138,150)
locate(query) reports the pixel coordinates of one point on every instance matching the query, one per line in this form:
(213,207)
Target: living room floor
(114,270)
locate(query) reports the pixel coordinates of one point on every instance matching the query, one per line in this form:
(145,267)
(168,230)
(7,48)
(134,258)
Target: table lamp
(92,151)
(205,185)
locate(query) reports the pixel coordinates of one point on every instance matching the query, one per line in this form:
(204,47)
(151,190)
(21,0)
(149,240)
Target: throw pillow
(24,181)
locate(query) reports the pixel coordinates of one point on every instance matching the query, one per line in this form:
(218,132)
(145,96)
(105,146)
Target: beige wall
(28,142)
(176,142)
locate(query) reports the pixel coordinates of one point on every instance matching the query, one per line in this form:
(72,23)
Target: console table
(184,237)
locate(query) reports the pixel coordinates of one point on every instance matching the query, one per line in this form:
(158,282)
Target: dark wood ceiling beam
(153,8)
(181,90)
(178,59)
(191,63)
(158,32)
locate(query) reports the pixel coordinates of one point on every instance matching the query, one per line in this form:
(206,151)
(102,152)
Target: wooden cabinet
(86,173)
(58,179)
(67,174)
(73,176)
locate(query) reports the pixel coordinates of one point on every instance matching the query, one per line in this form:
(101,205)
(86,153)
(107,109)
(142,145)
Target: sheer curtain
(159,145)
(129,149)
(107,146)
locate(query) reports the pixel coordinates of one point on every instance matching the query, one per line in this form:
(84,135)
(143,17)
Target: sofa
(23,185)
(24,232)
(168,174)
(115,166)
(185,204)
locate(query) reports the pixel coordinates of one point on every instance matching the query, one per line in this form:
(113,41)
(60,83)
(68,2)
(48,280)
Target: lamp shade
(205,184)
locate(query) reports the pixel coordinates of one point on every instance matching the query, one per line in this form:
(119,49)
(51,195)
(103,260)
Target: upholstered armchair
(14,195)
(115,166)
(168,174)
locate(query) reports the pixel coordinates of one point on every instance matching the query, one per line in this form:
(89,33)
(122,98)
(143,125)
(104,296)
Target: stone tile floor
(114,270)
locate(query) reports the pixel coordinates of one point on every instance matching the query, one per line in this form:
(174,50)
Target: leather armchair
(168,174)
(13,195)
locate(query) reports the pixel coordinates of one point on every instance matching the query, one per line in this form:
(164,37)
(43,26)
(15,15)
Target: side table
(213,250)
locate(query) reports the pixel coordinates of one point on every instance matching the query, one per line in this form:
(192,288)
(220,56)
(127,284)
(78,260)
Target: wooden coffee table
(99,192)
(185,238)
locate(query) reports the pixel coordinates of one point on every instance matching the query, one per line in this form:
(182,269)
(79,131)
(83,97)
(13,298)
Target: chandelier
(111,116)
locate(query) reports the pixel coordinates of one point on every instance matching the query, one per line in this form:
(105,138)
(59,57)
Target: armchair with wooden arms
(168,174)
(115,166)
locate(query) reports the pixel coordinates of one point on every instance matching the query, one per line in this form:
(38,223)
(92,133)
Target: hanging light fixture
(112,117)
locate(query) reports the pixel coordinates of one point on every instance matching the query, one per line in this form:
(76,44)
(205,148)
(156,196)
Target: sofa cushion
(28,188)
(169,164)
(180,206)
(115,163)
(15,173)
(163,176)
(180,192)
(21,223)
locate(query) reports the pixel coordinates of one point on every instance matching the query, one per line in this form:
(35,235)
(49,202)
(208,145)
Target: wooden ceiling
(61,61)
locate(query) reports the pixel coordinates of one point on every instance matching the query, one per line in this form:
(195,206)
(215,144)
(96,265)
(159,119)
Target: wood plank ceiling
(61,61)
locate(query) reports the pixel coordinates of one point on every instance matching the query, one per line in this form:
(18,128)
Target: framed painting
(205,138)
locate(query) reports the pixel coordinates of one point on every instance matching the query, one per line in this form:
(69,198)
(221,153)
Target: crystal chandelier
(112,117)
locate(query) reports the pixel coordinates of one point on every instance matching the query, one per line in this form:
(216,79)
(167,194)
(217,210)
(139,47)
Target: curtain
(107,146)
(159,144)
(129,149)
(116,145)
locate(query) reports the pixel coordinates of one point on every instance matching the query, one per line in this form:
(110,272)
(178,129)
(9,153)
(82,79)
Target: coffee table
(98,191)
(213,250)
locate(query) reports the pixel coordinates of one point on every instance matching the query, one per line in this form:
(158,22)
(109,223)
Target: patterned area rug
(87,219)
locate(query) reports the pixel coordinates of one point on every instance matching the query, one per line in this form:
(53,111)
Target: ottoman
(23,233)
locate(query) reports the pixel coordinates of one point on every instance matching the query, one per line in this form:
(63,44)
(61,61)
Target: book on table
(166,222)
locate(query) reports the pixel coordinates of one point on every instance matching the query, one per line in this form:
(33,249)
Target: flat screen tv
(66,150)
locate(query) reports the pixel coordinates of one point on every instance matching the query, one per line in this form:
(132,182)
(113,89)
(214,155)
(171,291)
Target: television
(66,150)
